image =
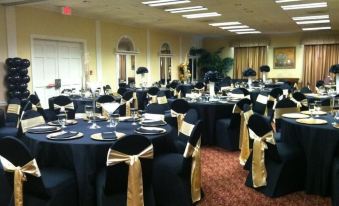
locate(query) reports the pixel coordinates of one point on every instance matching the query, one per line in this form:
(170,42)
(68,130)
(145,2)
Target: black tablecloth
(319,143)
(85,156)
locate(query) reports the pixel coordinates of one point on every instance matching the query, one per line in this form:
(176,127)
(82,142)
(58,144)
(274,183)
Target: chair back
(153,90)
(305,90)
(260,105)
(127,97)
(284,106)
(155,109)
(301,98)
(320,83)
(199,85)
(273,98)
(162,99)
(13,112)
(18,154)
(117,175)
(30,118)
(180,106)
(65,102)
(122,90)
(188,124)
(105,99)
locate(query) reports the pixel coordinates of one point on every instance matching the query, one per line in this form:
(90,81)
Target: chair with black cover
(172,86)
(104,99)
(108,90)
(305,90)
(29,119)
(63,104)
(276,168)
(186,127)
(179,108)
(152,94)
(115,183)
(199,87)
(43,186)
(283,106)
(173,178)
(162,100)
(228,129)
(273,98)
(126,104)
(260,104)
(121,90)
(301,100)
(154,111)
(326,105)
(319,85)
(13,112)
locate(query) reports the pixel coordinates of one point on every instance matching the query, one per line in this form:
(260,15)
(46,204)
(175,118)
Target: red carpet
(223,181)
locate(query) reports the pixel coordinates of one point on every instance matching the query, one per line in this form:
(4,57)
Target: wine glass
(311,108)
(317,107)
(114,121)
(134,114)
(89,112)
(62,118)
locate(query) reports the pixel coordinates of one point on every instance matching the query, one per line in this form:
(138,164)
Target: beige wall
(3,53)
(286,40)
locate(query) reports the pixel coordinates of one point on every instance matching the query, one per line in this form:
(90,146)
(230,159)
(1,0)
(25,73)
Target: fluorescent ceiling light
(234,27)
(300,18)
(285,1)
(249,32)
(314,21)
(169,3)
(201,15)
(188,10)
(157,1)
(304,6)
(226,23)
(316,28)
(184,8)
(240,30)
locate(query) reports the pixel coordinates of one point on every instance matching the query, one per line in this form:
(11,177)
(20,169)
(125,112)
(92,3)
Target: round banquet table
(319,144)
(85,156)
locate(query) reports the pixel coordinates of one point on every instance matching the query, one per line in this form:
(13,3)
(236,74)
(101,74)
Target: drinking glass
(317,107)
(89,112)
(311,108)
(114,121)
(134,114)
(62,119)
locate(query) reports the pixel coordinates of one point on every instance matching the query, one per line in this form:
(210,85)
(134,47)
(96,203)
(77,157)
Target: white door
(53,60)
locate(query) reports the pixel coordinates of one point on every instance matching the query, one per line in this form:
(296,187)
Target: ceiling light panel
(240,30)
(304,6)
(186,9)
(285,1)
(249,32)
(234,27)
(316,28)
(231,23)
(168,3)
(322,21)
(301,18)
(157,1)
(201,15)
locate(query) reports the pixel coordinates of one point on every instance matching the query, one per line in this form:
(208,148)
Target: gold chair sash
(272,99)
(20,176)
(194,152)
(180,118)
(153,98)
(162,100)
(35,107)
(69,106)
(296,86)
(13,109)
(262,99)
(154,116)
(278,112)
(244,143)
(135,99)
(127,105)
(186,128)
(32,122)
(135,195)
(259,173)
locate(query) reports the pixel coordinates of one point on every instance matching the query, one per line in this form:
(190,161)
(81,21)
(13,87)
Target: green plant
(211,61)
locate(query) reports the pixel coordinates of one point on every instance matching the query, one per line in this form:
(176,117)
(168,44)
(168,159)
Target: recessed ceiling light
(157,1)
(285,1)
(201,15)
(234,27)
(316,28)
(249,32)
(168,3)
(314,21)
(300,18)
(304,6)
(240,30)
(226,23)
(186,9)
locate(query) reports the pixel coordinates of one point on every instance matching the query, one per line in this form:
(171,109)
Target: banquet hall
(169,102)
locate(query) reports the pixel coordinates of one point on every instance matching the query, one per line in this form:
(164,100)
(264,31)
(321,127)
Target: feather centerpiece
(249,72)
(265,68)
(211,76)
(142,70)
(334,69)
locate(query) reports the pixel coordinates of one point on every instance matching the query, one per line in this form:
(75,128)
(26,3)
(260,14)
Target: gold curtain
(122,67)
(252,57)
(317,61)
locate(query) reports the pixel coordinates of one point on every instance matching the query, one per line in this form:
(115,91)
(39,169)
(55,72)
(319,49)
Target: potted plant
(249,73)
(335,70)
(142,71)
(264,69)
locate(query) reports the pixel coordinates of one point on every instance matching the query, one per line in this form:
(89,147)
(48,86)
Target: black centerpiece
(249,72)
(142,70)
(265,68)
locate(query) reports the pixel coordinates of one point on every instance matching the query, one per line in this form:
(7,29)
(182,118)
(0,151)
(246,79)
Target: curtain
(317,61)
(122,67)
(245,57)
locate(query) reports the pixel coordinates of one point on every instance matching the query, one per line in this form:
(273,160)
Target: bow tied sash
(153,98)
(128,105)
(186,128)
(69,106)
(37,106)
(135,99)
(135,195)
(259,173)
(31,122)
(194,152)
(14,109)
(162,100)
(180,118)
(20,176)
(244,144)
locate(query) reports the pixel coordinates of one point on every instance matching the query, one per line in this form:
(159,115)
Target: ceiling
(263,15)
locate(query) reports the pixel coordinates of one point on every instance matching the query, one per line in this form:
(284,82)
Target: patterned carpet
(223,183)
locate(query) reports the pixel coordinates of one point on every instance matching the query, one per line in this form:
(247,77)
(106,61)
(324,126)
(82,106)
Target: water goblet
(311,107)
(317,107)
(89,113)
(62,118)
(134,113)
